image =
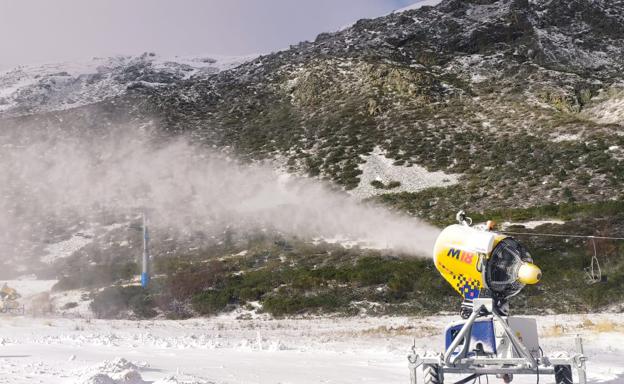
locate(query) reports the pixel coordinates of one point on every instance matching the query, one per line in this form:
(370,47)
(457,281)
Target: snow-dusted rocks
(59,86)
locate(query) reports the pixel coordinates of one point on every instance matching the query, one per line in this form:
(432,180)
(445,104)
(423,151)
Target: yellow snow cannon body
(477,260)
(8,293)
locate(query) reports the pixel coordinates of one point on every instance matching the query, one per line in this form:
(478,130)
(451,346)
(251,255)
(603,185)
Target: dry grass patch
(602,326)
(555,330)
(401,330)
(588,325)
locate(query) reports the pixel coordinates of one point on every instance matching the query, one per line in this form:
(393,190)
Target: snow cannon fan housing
(479,262)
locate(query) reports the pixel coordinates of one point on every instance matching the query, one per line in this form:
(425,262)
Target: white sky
(38,31)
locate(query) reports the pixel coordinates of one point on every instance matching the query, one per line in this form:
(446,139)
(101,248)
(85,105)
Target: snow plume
(48,182)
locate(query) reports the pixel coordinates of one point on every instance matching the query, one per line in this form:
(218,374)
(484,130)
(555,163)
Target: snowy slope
(226,350)
(51,87)
(418,4)
(28,286)
(410,7)
(378,167)
(608,107)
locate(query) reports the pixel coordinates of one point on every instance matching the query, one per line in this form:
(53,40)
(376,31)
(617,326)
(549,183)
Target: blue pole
(145,271)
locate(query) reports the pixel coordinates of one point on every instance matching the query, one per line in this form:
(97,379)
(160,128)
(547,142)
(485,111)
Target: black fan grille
(502,268)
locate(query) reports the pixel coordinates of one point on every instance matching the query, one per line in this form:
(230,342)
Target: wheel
(432,374)
(563,374)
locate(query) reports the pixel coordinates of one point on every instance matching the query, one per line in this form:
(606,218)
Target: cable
(537,368)
(594,272)
(466,379)
(541,356)
(563,235)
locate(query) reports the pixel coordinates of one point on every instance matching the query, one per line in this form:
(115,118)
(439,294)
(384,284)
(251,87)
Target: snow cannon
(479,262)
(9,301)
(488,268)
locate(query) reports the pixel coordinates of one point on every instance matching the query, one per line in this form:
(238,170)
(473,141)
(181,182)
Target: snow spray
(46,180)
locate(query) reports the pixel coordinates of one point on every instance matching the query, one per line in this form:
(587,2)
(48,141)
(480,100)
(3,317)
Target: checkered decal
(467,287)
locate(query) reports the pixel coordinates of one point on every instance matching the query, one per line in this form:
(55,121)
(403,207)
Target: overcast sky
(40,31)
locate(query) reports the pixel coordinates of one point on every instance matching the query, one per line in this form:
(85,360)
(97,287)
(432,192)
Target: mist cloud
(186,189)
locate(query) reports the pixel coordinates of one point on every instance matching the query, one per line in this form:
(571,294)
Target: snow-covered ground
(67,247)
(532,224)
(412,179)
(28,286)
(608,107)
(227,350)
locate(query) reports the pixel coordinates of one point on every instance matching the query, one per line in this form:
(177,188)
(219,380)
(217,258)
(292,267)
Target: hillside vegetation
(519,100)
(285,277)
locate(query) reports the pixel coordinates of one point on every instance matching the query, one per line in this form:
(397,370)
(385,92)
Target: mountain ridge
(465,77)
(26,90)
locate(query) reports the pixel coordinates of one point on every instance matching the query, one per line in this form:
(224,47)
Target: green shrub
(69,305)
(112,302)
(186,282)
(211,302)
(97,276)
(380,185)
(288,303)
(377,184)
(142,305)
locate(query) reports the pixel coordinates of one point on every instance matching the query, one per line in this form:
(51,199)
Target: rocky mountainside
(467,87)
(476,104)
(28,90)
(521,100)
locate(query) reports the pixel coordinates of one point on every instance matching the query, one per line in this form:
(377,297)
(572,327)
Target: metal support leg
(580,360)
(463,335)
(520,347)
(413,377)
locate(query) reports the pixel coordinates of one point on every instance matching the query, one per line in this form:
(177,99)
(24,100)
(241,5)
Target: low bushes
(291,277)
(292,303)
(114,301)
(211,302)
(380,185)
(97,276)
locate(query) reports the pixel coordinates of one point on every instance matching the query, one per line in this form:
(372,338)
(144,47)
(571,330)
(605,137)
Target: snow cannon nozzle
(529,274)
(479,262)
